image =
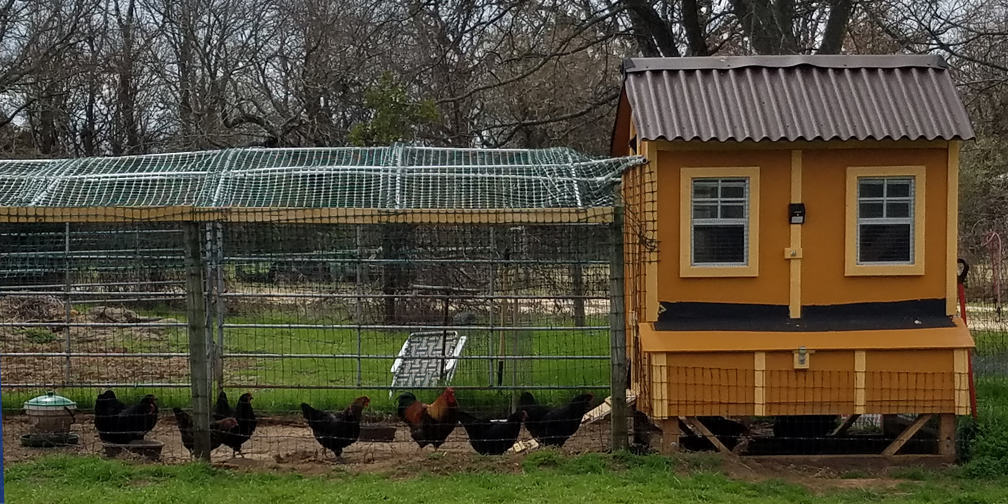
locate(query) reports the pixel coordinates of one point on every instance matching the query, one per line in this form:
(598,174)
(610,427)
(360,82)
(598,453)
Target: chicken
(243,414)
(217,428)
(107,409)
(554,426)
(430,424)
(492,437)
(130,424)
(336,431)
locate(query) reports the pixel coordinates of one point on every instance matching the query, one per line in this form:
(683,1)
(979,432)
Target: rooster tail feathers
(308,412)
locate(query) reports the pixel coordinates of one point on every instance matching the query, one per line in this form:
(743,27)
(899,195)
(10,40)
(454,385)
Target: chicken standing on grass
(492,437)
(217,429)
(430,424)
(116,423)
(243,414)
(554,426)
(336,431)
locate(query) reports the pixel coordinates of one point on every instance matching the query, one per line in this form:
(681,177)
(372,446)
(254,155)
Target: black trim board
(913,314)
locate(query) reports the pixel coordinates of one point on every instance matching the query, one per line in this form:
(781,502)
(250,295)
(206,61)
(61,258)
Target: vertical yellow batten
(759,383)
(650,190)
(659,385)
(794,301)
(960,367)
(859,382)
(952,230)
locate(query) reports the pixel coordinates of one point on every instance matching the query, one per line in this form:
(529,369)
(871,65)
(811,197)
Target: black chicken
(554,426)
(217,428)
(243,414)
(492,437)
(107,409)
(130,424)
(336,431)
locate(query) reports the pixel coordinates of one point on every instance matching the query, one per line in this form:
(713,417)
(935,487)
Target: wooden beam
(670,435)
(700,429)
(199,365)
(845,426)
(906,435)
(946,434)
(794,255)
(952,231)
(599,215)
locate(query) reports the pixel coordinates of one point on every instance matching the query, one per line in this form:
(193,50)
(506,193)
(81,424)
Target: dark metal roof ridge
(633,65)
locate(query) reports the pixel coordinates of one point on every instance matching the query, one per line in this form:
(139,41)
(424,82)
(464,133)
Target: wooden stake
(946,434)
(617,331)
(670,435)
(199,368)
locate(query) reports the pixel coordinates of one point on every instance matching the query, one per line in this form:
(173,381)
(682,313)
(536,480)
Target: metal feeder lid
(49,402)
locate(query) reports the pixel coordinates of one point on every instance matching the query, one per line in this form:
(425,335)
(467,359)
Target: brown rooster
(430,424)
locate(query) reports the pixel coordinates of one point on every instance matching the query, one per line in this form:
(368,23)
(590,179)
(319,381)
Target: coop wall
(836,382)
(823,281)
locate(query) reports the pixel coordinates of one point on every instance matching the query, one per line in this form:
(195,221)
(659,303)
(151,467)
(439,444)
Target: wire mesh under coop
(302,276)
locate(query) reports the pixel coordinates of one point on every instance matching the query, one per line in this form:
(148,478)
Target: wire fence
(310,313)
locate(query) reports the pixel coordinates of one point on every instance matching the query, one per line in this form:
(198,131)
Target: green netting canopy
(382,178)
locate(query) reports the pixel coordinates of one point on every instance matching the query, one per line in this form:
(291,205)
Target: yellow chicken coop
(791,243)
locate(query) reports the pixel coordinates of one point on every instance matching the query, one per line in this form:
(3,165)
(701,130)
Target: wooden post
(617,329)
(946,434)
(670,436)
(199,365)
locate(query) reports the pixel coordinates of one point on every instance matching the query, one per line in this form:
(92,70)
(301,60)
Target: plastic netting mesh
(395,177)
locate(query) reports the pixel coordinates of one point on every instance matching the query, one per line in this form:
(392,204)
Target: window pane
(719,244)
(898,209)
(733,188)
(732,211)
(870,188)
(704,211)
(884,243)
(870,210)
(898,188)
(705,189)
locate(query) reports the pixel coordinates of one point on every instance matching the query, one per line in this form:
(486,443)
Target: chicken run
(305,306)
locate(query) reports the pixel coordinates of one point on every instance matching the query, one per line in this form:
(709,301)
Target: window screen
(720,221)
(885,220)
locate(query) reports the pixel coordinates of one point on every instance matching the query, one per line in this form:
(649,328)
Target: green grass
(543,477)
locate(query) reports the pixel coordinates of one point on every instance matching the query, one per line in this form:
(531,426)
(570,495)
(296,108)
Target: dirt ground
(286,445)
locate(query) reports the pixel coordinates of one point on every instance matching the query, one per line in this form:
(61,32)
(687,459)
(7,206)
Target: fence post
(199,369)
(617,327)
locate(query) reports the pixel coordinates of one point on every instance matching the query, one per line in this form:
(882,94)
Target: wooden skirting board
(598,413)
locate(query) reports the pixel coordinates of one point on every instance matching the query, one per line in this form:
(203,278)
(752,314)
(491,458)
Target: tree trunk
(836,27)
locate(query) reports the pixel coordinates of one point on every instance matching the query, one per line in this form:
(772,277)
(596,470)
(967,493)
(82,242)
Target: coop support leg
(906,435)
(700,429)
(946,434)
(670,435)
(199,368)
(844,427)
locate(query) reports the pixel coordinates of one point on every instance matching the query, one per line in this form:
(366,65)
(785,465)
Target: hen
(129,424)
(107,409)
(243,414)
(492,437)
(430,424)
(217,428)
(335,431)
(554,426)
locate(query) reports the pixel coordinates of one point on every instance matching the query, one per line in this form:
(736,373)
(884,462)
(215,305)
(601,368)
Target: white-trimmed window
(718,232)
(720,222)
(885,221)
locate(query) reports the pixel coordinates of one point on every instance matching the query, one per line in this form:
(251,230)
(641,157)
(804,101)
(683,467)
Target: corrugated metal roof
(794,98)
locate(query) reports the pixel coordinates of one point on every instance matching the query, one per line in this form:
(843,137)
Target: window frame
(851,240)
(686,267)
